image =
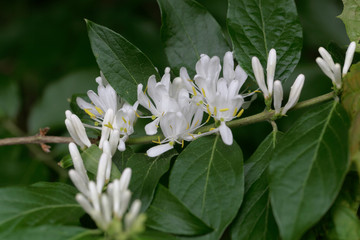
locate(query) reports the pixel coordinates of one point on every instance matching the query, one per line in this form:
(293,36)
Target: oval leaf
(255,219)
(166,213)
(208,178)
(350,17)
(187,31)
(42,203)
(123,64)
(308,167)
(256,26)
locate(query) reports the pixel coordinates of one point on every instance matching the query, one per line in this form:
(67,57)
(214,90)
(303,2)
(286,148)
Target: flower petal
(226,134)
(158,150)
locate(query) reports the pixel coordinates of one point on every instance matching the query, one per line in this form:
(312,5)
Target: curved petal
(151,128)
(226,134)
(228,67)
(158,150)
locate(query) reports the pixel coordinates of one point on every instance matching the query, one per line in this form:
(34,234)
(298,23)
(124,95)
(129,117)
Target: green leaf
(91,157)
(146,173)
(350,17)
(351,93)
(154,235)
(54,232)
(43,203)
(351,102)
(256,26)
(208,178)
(123,64)
(187,31)
(166,213)
(255,219)
(308,167)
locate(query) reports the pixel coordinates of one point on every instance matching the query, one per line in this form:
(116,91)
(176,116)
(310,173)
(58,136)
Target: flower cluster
(112,115)
(109,209)
(333,70)
(182,105)
(178,107)
(274,90)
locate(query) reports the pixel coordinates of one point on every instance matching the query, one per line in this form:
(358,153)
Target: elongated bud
(327,57)
(349,57)
(294,93)
(228,66)
(325,68)
(80,130)
(78,162)
(337,75)
(79,182)
(259,75)
(132,214)
(125,179)
(270,70)
(101,173)
(278,96)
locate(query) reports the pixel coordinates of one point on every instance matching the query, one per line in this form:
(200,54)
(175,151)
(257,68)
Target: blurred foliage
(45,57)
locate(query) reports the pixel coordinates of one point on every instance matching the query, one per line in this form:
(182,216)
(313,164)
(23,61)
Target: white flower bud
(349,57)
(270,70)
(278,96)
(294,93)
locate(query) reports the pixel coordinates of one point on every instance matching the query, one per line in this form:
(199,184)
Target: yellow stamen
(257,91)
(137,114)
(194,91)
(235,111)
(171,143)
(208,119)
(215,112)
(188,126)
(123,119)
(125,130)
(190,80)
(153,117)
(203,91)
(224,109)
(89,113)
(145,89)
(182,144)
(197,122)
(109,125)
(191,135)
(99,110)
(211,129)
(149,103)
(96,123)
(208,109)
(240,113)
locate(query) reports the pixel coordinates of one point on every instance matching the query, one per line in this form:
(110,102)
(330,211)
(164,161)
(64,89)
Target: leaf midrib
(207,175)
(314,159)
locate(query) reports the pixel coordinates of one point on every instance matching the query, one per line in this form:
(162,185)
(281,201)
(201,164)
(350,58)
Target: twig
(260,117)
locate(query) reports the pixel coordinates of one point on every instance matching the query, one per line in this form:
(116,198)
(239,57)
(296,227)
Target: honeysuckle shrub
(161,161)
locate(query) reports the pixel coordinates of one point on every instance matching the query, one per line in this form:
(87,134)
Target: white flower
(177,128)
(160,101)
(103,101)
(108,206)
(270,72)
(333,70)
(113,116)
(220,97)
(76,130)
(278,96)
